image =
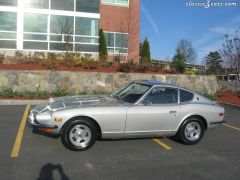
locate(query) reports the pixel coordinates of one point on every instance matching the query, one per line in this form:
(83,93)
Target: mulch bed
(63,67)
(230,98)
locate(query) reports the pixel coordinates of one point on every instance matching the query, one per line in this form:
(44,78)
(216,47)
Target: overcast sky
(165,23)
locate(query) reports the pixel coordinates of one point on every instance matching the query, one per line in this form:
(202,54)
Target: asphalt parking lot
(34,156)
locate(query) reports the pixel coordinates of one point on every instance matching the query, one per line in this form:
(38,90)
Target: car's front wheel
(79,135)
(191,131)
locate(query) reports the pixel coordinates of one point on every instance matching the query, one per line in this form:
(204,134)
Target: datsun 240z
(140,109)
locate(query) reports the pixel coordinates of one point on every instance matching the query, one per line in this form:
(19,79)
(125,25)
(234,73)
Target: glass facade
(8,2)
(56,25)
(121,2)
(91,6)
(117,42)
(41,4)
(65,5)
(8,30)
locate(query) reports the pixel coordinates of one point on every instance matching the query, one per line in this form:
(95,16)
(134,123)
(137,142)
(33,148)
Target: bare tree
(186,48)
(231,52)
(65,28)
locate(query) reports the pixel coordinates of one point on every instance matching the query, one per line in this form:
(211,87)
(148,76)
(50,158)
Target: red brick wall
(123,19)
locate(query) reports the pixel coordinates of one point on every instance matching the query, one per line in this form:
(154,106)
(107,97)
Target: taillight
(221,114)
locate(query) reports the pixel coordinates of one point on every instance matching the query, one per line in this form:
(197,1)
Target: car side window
(185,96)
(162,95)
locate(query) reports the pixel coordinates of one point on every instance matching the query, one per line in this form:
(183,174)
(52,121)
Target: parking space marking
(17,144)
(232,127)
(162,144)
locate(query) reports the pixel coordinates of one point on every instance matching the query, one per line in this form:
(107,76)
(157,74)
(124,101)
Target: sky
(166,22)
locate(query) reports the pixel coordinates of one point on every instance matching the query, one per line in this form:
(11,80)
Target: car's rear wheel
(79,135)
(191,131)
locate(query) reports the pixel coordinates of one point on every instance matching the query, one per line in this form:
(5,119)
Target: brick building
(46,25)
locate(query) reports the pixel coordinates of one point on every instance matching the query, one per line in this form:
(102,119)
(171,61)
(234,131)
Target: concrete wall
(89,82)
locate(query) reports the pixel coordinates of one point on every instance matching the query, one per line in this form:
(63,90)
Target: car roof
(155,82)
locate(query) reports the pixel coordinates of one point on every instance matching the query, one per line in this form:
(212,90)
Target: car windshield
(132,92)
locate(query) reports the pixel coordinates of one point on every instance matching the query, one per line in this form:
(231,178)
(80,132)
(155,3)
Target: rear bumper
(217,122)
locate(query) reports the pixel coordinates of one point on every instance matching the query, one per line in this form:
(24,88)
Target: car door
(157,114)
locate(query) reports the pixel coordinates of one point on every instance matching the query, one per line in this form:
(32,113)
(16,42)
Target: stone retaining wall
(93,82)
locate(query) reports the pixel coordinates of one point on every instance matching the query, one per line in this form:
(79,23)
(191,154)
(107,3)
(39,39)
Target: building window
(117,42)
(8,2)
(35,31)
(61,33)
(117,2)
(8,30)
(89,6)
(65,5)
(41,4)
(86,30)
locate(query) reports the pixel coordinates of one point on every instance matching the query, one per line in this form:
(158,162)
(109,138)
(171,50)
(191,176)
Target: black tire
(70,127)
(196,124)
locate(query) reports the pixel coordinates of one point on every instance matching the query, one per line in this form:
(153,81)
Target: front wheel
(191,131)
(79,135)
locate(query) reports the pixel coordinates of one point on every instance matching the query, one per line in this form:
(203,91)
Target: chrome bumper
(33,123)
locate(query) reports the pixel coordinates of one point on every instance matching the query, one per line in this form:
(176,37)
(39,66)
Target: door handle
(172,112)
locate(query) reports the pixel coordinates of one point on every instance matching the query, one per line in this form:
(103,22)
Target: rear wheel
(191,131)
(79,135)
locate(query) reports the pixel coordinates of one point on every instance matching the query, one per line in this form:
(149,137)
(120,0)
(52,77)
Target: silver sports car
(141,109)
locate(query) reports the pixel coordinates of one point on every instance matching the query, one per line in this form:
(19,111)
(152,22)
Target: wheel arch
(196,116)
(99,131)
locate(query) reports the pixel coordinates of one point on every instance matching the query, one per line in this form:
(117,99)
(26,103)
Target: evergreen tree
(179,63)
(103,53)
(145,52)
(214,62)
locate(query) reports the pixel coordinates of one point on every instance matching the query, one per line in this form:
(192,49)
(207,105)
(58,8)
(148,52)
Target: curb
(9,102)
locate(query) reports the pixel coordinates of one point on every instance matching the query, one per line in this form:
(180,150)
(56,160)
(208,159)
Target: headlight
(44,117)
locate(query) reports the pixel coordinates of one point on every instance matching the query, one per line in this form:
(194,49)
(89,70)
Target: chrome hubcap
(192,131)
(80,135)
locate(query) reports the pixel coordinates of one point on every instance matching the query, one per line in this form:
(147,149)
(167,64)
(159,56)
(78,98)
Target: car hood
(67,102)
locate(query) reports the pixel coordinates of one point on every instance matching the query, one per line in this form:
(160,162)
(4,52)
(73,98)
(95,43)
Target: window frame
(115,3)
(141,100)
(114,44)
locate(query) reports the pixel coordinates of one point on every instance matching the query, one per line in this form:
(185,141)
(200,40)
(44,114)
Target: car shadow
(47,170)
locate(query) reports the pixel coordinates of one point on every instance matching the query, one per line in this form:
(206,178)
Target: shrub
(7,93)
(190,72)
(22,58)
(212,97)
(59,92)
(131,66)
(37,57)
(143,67)
(107,64)
(52,61)
(2,58)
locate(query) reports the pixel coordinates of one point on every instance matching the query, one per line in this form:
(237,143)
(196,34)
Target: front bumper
(33,123)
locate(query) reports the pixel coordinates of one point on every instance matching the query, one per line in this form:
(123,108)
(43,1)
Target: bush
(2,58)
(7,93)
(212,97)
(22,58)
(59,92)
(142,68)
(190,72)
(107,64)
(52,61)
